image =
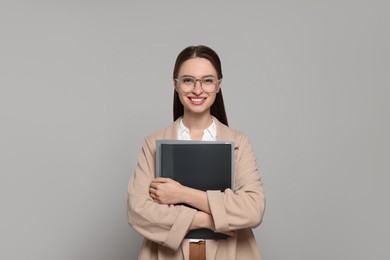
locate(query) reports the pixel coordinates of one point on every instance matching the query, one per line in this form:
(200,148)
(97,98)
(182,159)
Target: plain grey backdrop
(82,82)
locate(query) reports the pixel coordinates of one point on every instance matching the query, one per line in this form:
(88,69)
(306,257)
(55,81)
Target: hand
(166,191)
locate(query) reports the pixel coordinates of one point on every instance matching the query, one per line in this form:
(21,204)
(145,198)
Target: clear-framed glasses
(208,84)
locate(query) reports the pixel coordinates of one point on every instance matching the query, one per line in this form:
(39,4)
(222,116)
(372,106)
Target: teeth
(197,99)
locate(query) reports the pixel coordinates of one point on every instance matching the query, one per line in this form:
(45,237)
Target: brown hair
(217,108)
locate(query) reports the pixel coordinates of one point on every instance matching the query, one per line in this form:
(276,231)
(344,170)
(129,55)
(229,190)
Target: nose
(197,90)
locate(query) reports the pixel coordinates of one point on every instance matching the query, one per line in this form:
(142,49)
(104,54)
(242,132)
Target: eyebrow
(205,76)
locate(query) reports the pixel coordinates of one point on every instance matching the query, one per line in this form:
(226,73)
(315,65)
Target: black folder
(202,165)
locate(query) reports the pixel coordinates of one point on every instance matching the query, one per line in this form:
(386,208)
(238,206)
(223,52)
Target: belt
(198,250)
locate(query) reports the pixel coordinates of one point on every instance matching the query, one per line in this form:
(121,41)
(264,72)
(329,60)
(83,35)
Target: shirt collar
(211,130)
(182,129)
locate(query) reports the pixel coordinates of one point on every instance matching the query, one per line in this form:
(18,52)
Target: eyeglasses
(208,84)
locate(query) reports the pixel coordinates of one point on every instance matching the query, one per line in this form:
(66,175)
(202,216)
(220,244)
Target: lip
(197,101)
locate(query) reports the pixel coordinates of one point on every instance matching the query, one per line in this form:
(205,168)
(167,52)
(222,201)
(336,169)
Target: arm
(202,220)
(168,191)
(243,207)
(229,210)
(164,224)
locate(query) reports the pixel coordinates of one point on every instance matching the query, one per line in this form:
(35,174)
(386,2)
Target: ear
(219,86)
(174,84)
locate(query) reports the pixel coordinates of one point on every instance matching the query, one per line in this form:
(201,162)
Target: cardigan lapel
(224,133)
(170,132)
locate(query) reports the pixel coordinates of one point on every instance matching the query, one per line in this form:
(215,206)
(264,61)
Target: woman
(199,114)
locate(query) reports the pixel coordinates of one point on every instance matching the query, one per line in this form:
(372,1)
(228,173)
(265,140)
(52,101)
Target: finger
(160,180)
(155,198)
(153,185)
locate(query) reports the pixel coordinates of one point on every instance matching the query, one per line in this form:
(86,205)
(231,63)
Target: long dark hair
(217,108)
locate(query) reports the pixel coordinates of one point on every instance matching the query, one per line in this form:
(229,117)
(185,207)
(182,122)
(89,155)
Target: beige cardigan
(164,226)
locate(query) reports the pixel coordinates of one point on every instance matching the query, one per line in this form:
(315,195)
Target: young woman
(199,114)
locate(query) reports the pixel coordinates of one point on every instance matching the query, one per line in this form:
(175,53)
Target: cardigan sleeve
(243,207)
(164,224)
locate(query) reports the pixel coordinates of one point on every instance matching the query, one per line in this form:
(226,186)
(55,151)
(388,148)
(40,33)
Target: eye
(208,81)
(187,80)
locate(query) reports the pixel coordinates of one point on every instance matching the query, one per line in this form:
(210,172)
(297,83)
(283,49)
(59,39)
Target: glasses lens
(187,84)
(209,84)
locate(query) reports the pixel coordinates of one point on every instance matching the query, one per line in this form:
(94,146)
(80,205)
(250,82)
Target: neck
(197,121)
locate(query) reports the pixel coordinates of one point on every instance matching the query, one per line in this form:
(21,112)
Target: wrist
(202,220)
(186,193)
(181,194)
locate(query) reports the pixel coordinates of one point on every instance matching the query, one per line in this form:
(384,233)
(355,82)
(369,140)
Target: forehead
(197,67)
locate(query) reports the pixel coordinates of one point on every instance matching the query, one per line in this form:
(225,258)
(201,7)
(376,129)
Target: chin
(198,110)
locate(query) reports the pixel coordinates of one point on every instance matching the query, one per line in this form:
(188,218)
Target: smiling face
(197,101)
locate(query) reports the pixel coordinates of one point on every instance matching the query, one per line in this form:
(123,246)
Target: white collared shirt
(209,134)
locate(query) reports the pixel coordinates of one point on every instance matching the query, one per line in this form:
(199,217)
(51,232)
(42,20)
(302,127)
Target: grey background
(82,82)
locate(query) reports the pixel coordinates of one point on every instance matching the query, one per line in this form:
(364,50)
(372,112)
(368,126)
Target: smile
(197,100)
